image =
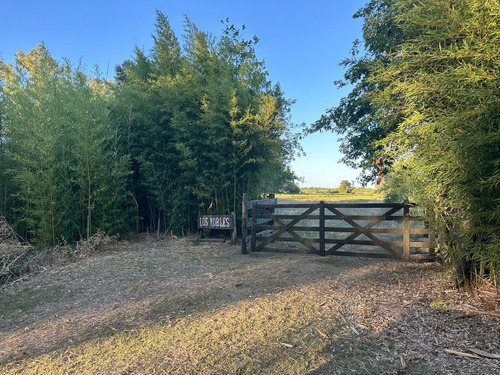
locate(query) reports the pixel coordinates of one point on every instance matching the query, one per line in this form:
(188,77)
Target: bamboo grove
(185,128)
(424,114)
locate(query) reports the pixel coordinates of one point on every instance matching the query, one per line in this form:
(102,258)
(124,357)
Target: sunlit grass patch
(443,305)
(282,333)
(332,195)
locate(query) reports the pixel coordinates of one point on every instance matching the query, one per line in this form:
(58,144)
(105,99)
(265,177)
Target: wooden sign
(215,222)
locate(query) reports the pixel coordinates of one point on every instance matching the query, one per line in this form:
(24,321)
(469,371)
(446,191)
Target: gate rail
(269,225)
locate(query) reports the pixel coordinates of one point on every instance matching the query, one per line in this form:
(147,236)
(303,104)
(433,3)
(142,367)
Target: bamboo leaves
(185,128)
(57,130)
(207,126)
(430,91)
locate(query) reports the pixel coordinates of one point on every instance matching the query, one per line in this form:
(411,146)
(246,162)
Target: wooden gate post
(234,233)
(406,230)
(322,228)
(254,227)
(244,216)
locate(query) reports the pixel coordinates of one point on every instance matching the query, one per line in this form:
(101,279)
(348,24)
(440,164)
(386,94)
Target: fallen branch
(324,335)
(483,353)
(478,353)
(462,354)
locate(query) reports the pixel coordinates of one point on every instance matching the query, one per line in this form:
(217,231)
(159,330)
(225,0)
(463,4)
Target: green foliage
(185,129)
(5,177)
(345,186)
(291,188)
(355,118)
(66,181)
(429,87)
(203,124)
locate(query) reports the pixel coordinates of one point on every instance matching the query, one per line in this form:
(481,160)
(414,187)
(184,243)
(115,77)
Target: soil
(400,317)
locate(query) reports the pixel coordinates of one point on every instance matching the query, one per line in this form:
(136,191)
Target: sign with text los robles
(215,222)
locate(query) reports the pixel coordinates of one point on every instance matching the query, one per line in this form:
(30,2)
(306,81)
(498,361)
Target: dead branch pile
(96,243)
(9,240)
(20,258)
(7,234)
(12,251)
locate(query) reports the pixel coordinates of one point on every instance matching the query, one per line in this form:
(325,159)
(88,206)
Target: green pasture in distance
(311,194)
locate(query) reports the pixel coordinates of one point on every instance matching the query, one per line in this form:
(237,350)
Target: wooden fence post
(234,234)
(244,216)
(406,230)
(431,224)
(272,210)
(322,228)
(254,227)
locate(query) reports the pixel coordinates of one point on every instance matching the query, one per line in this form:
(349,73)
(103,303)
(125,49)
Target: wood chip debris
(324,335)
(355,330)
(477,313)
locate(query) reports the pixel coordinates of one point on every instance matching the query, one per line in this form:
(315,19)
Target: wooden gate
(349,229)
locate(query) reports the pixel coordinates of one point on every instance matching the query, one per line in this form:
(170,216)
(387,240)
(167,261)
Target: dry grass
(18,260)
(174,307)
(332,195)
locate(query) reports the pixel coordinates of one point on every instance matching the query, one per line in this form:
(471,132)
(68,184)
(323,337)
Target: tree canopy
(63,176)
(424,112)
(186,128)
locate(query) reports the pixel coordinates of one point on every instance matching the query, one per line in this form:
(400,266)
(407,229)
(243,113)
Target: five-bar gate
(381,230)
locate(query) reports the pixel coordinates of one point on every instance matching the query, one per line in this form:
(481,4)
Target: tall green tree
(59,141)
(144,112)
(5,179)
(356,118)
(204,121)
(444,82)
(33,130)
(424,111)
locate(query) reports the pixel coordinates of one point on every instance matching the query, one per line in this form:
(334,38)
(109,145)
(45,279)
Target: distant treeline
(183,128)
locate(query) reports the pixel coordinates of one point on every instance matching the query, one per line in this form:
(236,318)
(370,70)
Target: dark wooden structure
(217,222)
(349,229)
(247,206)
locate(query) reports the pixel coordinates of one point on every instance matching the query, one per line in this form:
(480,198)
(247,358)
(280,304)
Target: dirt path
(371,316)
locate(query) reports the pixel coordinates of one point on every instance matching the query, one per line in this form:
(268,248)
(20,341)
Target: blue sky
(301,41)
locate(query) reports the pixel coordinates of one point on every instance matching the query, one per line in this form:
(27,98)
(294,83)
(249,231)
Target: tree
(291,188)
(5,178)
(345,186)
(356,118)
(424,113)
(100,170)
(444,83)
(59,146)
(204,124)
(185,129)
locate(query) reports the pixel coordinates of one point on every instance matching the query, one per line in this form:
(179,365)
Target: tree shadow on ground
(382,319)
(105,295)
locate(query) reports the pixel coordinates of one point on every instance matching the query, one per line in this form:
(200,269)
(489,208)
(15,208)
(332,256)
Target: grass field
(332,195)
